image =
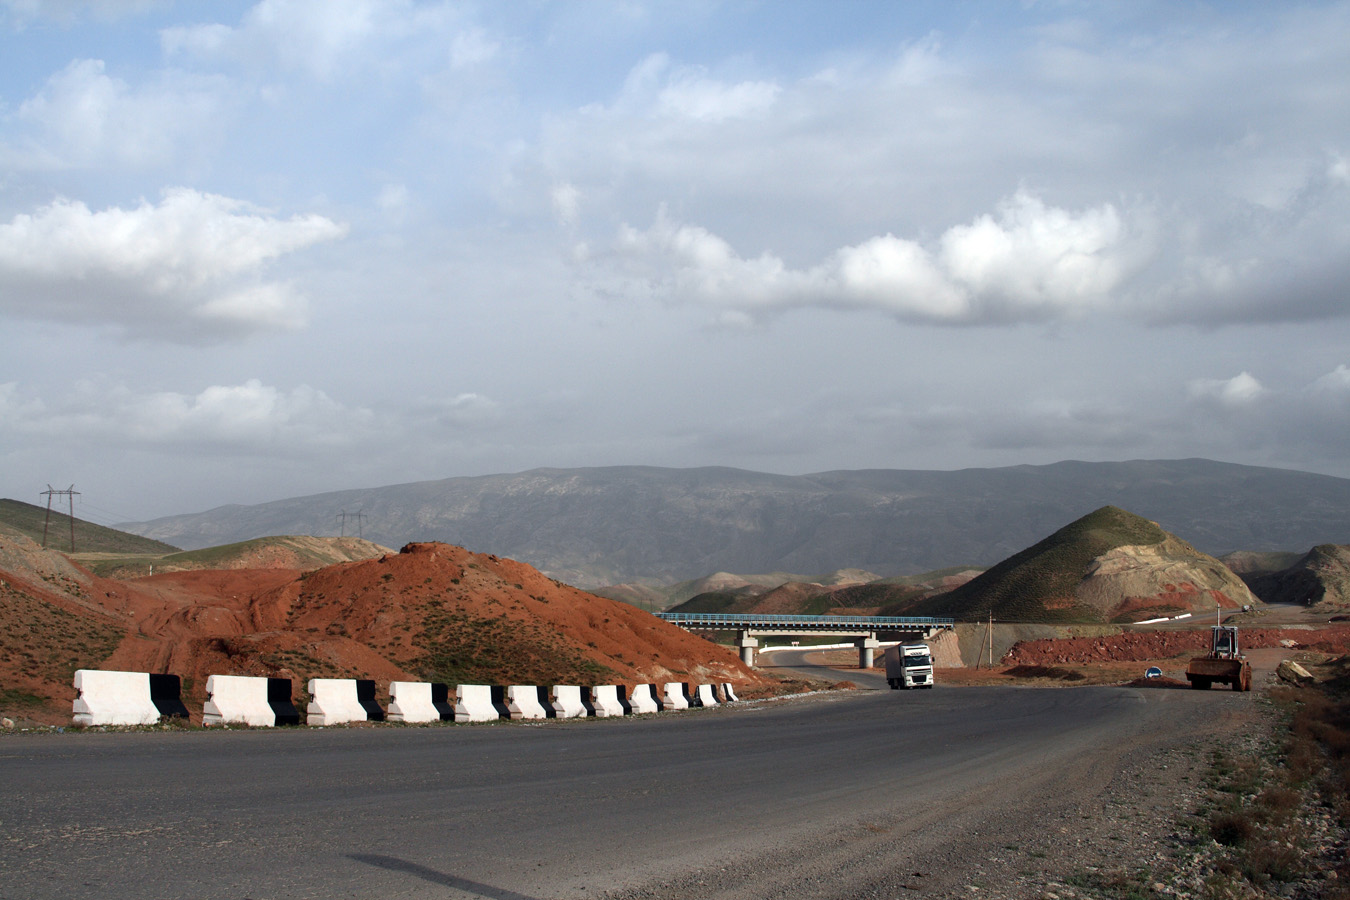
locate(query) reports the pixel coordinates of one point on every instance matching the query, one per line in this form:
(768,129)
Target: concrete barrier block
(528,702)
(334,701)
(729,693)
(673,696)
(365,695)
(473,703)
(605,700)
(166,692)
(113,698)
(705,695)
(410,702)
(440,698)
(279,699)
(567,701)
(691,694)
(237,700)
(642,699)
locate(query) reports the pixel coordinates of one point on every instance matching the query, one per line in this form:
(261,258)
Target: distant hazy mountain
(598,526)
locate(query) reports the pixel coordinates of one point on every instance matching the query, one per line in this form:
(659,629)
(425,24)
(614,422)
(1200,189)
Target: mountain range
(602,526)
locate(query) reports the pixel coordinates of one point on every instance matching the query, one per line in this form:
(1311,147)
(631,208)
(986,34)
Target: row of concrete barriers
(138,698)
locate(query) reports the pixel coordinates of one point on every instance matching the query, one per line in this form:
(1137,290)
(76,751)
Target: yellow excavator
(1223,664)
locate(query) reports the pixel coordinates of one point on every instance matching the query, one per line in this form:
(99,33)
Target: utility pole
(69,493)
(991,637)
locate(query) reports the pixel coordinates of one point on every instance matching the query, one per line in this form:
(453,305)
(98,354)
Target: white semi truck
(909,665)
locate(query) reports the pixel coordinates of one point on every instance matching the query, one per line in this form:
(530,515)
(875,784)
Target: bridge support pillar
(866,646)
(747,645)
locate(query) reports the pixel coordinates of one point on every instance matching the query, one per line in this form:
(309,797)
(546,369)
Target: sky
(251,251)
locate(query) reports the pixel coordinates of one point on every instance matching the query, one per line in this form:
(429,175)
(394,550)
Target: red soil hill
(429,612)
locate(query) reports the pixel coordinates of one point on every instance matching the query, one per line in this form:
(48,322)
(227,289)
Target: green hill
(737,600)
(1038,584)
(27,519)
(278,552)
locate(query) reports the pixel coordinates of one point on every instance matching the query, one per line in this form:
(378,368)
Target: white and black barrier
(419,701)
(605,700)
(139,698)
(567,702)
(673,697)
(642,699)
(334,701)
(248,700)
(126,698)
(528,702)
(481,703)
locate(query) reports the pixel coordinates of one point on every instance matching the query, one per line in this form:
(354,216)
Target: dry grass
(1262,802)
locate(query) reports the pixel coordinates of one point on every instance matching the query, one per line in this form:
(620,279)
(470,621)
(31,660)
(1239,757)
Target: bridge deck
(736,621)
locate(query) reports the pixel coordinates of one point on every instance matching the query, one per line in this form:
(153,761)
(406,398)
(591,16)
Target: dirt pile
(1153,645)
(429,612)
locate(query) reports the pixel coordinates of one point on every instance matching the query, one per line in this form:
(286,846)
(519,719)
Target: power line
(113,517)
(69,493)
(359,516)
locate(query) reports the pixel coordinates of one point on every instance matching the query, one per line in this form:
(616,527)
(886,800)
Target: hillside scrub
(1037,584)
(1278,813)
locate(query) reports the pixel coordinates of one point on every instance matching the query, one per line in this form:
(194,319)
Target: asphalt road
(796,662)
(816,797)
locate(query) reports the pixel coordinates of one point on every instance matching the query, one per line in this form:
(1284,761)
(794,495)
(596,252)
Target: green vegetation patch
(458,648)
(28,520)
(1037,585)
(214,557)
(13,698)
(44,641)
(716,602)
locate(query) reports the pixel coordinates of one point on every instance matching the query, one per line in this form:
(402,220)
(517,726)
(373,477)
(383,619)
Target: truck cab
(909,666)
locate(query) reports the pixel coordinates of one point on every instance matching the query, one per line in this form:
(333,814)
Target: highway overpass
(866,631)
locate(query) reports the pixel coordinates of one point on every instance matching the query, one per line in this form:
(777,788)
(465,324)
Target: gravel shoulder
(1096,820)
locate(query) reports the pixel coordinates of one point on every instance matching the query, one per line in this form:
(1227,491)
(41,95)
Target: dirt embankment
(431,612)
(1154,645)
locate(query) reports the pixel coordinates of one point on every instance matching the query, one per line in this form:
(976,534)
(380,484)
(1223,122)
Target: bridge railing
(822,623)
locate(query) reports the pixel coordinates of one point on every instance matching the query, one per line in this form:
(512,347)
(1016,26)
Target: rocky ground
(1149,836)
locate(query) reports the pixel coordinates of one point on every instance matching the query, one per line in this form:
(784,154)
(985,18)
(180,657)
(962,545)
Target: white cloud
(1334,384)
(332,39)
(1030,263)
(566,203)
(462,411)
(1214,147)
(472,47)
(251,417)
(1240,391)
(83,117)
(656,88)
(692,95)
(183,267)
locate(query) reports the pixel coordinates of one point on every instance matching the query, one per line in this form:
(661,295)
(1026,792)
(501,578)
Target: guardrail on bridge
(731,621)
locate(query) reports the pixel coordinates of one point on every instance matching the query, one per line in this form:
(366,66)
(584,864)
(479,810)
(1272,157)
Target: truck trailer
(909,666)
